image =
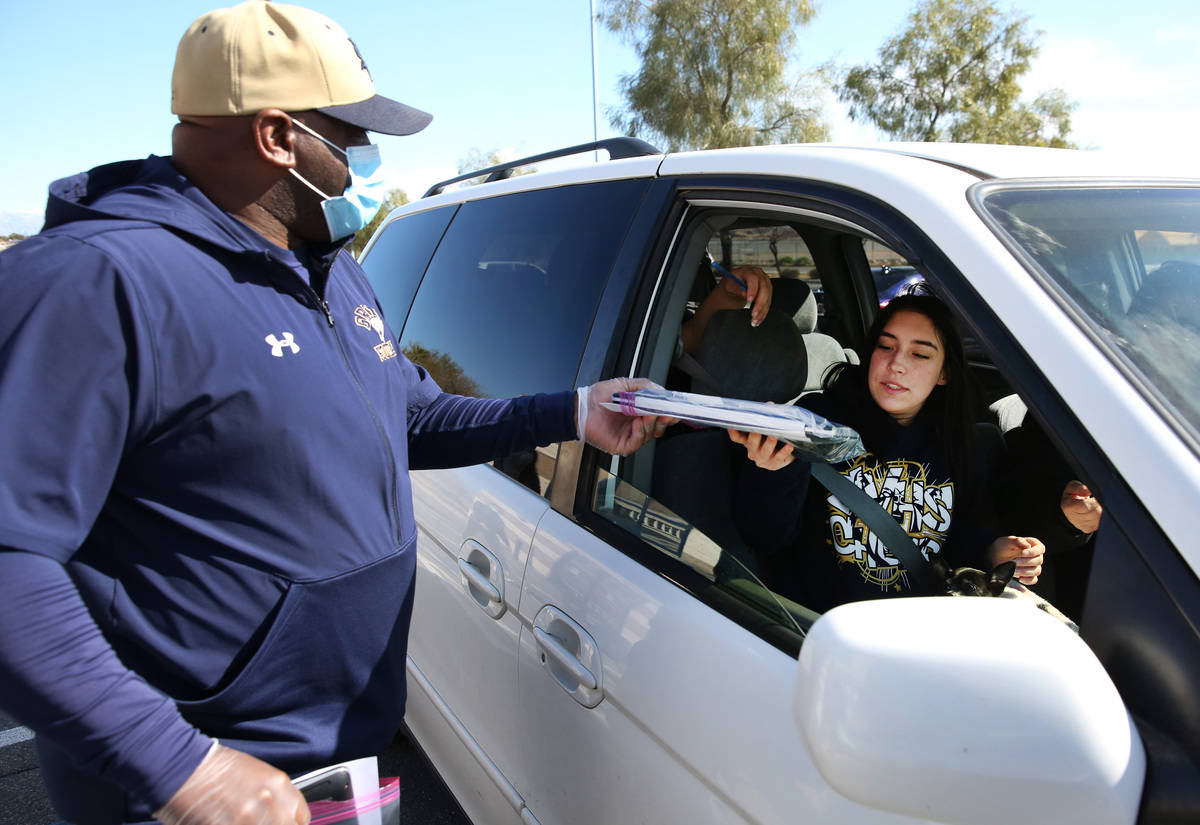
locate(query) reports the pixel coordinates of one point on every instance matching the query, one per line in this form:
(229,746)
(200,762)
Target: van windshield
(1128,258)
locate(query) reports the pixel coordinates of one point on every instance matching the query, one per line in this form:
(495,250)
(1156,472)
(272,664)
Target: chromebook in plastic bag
(814,438)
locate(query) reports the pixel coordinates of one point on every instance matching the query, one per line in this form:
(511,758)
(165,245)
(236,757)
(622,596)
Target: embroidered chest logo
(367,318)
(921,505)
(279,345)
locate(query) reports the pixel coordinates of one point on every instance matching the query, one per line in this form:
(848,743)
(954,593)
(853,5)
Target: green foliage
(1045,122)
(954,74)
(714,73)
(15,236)
(396,197)
(444,370)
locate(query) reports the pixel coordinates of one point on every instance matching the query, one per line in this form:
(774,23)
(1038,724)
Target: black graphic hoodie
(812,549)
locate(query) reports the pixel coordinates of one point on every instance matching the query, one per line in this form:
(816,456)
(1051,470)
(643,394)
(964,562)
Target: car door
(657,672)
(502,309)
(650,740)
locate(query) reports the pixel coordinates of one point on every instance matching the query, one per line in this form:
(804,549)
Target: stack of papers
(815,438)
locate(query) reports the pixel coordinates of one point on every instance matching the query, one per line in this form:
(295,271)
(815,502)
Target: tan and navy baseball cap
(259,55)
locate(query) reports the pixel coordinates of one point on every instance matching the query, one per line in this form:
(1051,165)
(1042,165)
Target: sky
(88,82)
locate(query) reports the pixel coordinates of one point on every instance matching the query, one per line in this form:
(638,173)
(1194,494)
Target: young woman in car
(926,463)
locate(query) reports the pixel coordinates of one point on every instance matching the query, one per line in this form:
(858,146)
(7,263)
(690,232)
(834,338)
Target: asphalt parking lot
(424,799)
(22,798)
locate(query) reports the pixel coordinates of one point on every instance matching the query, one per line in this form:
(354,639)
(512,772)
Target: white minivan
(592,643)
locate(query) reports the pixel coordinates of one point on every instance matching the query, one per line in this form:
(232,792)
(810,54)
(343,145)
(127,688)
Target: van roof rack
(617,148)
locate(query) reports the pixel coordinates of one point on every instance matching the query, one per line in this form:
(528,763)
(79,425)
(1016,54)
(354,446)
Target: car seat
(1169,295)
(764,363)
(795,298)
(1009,412)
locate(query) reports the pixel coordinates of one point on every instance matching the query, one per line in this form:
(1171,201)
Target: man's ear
(274,138)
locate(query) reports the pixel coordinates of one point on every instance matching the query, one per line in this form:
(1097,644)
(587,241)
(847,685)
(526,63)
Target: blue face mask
(353,209)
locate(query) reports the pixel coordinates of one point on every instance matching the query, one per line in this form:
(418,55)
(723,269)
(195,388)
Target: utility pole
(595,105)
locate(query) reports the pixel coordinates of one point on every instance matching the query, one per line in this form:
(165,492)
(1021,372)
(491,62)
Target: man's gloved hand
(233,788)
(615,432)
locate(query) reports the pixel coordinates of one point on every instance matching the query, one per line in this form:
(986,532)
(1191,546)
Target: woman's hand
(1027,552)
(764,450)
(729,295)
(1080,507)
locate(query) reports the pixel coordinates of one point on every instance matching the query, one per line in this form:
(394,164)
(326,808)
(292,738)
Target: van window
(395,262)
(672,503)
(506,305)
(1128,260)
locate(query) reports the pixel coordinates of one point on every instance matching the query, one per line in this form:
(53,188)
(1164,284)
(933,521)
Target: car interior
(824,298)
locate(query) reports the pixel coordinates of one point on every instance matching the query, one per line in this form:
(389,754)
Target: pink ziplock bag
(385,800)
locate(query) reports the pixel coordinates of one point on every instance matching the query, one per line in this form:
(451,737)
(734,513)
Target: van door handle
(478,579)
(552,647)
(483,577)
(569,654)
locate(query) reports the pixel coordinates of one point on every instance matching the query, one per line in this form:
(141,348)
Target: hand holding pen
(748,284)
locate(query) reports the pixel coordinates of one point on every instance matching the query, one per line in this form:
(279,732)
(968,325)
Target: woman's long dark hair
(949,404)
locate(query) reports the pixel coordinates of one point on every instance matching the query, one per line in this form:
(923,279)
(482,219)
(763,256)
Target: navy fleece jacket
(206,522)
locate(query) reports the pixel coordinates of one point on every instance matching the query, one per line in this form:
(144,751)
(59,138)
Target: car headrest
(1010,411)
(764,363)
(794,298)
(1171,292)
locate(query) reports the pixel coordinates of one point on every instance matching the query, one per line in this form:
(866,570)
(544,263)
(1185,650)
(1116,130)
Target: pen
(725,273)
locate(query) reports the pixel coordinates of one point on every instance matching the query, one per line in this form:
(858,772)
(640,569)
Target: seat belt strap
(881,523)
(868,510)
(697,372)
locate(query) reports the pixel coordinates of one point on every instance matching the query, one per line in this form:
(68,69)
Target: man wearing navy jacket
(206,532)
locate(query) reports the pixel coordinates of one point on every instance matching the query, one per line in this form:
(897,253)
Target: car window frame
(658,265)
(545,460)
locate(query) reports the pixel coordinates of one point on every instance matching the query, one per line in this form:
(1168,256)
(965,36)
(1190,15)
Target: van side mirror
(966,710)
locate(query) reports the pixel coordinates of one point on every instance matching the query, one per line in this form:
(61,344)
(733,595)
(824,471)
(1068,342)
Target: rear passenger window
(506,305)
(890,272)
(395,261)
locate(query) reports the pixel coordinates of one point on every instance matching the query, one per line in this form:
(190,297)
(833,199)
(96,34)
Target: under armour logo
(278,345)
